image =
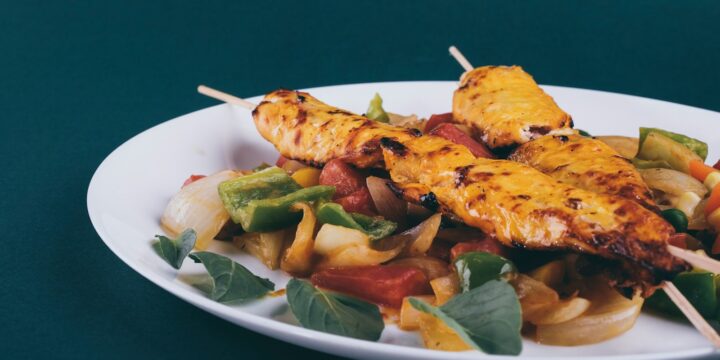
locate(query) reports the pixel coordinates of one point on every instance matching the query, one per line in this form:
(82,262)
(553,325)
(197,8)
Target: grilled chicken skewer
(399,159)
(586,163)
(521,206)
(505,106)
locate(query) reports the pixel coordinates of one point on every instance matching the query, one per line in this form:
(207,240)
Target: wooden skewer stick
(696,260)
(691,314)
(460,58)
(692,258)
(225,97)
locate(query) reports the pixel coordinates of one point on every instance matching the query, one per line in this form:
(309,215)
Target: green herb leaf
(487,317)
(174,251)
(232,281)
(375,110)
(333,313)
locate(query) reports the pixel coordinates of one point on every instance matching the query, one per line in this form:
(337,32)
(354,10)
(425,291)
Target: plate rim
(326,342)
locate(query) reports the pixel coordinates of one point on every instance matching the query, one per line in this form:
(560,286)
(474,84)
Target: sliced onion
(264,246)
(533,296)
(341,247)
(298,257)
(416,241)
(432,267)
(562,311)
(626,146)
(445,288)
(332,238)
(407,121)
(417,213)
(386,202)
(672,182)
(198,206)
(610,315)
(551,274)
(358,255)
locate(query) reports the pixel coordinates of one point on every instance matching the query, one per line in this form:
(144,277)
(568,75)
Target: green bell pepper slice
(676,218)
(261,201)
(650,164)
(698,147)
(375,228)
(698,287)
(375,110)
(476,268)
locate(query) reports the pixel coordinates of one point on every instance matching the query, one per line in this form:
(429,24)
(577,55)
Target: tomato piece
(360,202)
(678,240)
(717,165)
(488,244)
(343,177)
(280,161)
(193,178)
(452,133)
(437,119)
(382,285)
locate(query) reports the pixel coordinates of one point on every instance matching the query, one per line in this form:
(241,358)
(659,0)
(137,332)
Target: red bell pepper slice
(437,119)
(350,187)
(488,244)
(452,133)
(343,177)
(382,285)
(280,161)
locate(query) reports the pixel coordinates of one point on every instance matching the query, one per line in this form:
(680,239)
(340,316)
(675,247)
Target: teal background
(80,77)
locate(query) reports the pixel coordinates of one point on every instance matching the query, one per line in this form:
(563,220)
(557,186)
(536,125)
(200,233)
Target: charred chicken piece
(505,107)
(585,163)
(524,208)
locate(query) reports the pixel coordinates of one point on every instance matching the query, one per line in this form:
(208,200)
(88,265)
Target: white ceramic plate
(131,187)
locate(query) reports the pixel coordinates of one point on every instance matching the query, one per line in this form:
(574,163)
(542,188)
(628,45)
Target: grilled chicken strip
(521,206)
(525,208)
(302,127)
(505,107)
(585,163)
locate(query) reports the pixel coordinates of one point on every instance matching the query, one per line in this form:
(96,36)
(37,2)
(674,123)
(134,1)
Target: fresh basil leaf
(174,251)
(333,313)
(232,281)
(487,317)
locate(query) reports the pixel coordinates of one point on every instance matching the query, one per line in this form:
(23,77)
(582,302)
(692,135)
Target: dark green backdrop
(80,77)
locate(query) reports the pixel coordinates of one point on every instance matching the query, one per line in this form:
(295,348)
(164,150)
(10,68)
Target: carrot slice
(713,201)
(699,170)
